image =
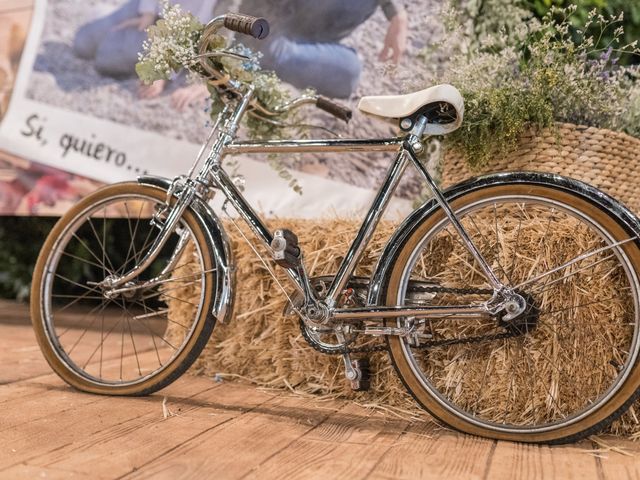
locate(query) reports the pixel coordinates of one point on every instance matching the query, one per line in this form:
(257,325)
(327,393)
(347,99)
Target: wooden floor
(197,428)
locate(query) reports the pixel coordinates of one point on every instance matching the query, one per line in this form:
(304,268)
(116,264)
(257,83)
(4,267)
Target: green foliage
(22,237)
(172,44)
(609,8)
(546,72)
(496,118)
(20,242)
(631,116)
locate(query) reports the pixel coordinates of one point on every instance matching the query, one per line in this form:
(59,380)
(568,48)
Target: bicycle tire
(424,378)
(46,272)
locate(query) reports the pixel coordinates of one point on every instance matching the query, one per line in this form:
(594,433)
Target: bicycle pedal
(284,245)
(363,381)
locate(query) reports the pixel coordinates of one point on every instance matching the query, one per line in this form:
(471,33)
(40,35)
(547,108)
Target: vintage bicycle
(492,296)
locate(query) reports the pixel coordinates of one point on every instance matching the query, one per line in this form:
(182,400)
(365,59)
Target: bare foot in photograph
(151,91)
(188,96)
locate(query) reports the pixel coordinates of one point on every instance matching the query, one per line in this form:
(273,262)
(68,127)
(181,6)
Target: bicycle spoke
(57,312)
(177,287)
(488,243)
(515,250)
(83,260)
(91,252)
(132,233)
(153,340)
(101,345)
(495,222)
(105,257)
(86,297)
(544,286)
(89,289)
(569,277)
(575,260)
(101,307)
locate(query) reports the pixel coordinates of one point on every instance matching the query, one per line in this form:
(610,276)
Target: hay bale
(260,344)
(263,346)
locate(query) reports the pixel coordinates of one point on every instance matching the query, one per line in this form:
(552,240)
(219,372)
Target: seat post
(415,137)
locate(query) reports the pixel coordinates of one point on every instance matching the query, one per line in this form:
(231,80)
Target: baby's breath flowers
(172,45)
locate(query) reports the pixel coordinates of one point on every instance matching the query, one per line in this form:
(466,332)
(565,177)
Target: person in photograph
(12,38)
(112,43)
(304,46)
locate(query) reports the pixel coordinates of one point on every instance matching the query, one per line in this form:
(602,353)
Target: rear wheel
(136,341)
(569,364)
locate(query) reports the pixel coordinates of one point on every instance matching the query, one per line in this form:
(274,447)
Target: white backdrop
(110,151)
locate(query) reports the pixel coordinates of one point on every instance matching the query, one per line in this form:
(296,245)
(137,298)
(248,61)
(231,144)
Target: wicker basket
(606,159)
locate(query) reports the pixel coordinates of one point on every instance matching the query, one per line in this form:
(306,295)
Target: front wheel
(568,366)
(138,340)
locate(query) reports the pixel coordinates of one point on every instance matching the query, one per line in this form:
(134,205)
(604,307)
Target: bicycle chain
(423,346)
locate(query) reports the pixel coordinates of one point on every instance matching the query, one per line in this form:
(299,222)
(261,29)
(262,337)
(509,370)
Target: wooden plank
(23,358)
(426,451)
(348,444)
(124,447)
(12,312)
(519,460)
(44,403)
(47,399)
(28,472)
(20,356)
(232,450)
(232,431)
(81,415)
(355,424)
(618,465)
(312,459)
(32,386)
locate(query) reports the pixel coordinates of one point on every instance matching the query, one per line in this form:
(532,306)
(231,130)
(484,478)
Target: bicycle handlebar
(257,27)
(339,111)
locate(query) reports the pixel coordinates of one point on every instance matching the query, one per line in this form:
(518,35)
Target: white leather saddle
(443,106)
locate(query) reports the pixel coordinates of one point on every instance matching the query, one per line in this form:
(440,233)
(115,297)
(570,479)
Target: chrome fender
(379,279)
(220,245)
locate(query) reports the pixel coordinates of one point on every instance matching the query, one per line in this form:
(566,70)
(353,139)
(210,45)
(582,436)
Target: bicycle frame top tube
(227,144)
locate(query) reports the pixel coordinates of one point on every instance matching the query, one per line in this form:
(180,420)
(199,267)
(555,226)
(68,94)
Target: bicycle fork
(189,190)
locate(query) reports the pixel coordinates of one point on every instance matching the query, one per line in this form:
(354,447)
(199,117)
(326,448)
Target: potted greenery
(547,96)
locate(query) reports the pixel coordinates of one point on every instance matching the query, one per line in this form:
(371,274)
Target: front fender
(377,288)
(219,243)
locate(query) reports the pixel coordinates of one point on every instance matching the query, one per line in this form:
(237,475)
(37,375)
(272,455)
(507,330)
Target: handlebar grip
(335,109)
(257,27)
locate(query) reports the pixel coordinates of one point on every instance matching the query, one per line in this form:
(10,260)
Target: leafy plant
(548,72)
(630,11)
(20,242)
(172,44)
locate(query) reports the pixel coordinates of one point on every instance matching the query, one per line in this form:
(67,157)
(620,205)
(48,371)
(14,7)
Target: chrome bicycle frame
(212,175)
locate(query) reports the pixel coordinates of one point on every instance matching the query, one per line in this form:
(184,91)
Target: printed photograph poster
(28,188)
(77,115)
